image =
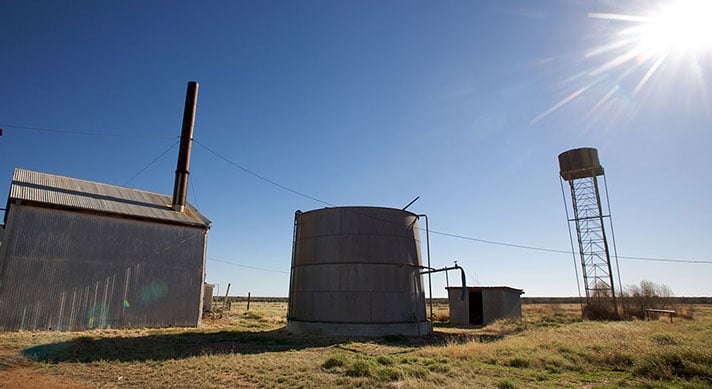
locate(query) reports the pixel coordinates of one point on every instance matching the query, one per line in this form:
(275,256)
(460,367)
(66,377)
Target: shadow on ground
(189,344)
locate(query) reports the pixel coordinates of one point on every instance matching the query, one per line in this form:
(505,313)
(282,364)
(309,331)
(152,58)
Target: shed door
(476,314)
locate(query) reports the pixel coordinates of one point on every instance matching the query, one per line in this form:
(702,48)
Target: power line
(486,241)
(245,266)
(195,197)
(520,246)
(294,191)
(665,260)
(83,132)
(151,163)
(263,178)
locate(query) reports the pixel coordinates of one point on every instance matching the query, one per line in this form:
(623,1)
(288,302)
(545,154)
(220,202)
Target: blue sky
(465,104)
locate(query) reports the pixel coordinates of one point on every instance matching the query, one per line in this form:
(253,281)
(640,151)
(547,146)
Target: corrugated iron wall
(500,304)
(64,270)
(356,268)
(497,303)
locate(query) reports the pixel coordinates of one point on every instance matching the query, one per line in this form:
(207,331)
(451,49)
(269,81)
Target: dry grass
(549,347)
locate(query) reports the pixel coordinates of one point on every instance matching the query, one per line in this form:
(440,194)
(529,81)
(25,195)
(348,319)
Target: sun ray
(603,100)
(619,17)
(653,68)
(610,47)
(561,103)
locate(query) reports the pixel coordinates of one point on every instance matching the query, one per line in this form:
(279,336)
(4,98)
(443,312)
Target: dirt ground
(18,373)
(21,377)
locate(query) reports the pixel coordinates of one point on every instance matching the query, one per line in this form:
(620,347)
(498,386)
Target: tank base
(358,329)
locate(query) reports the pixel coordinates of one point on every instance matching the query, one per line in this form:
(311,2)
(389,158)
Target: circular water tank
(355,273)
(579,163)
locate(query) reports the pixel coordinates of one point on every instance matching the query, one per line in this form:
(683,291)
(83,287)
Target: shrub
(518,362)
(667,366)
(385,360)
(688,312)
(600,309)
(388,373)
(506,384)
(360,368)
(335,361)
(418,371)
(646,295)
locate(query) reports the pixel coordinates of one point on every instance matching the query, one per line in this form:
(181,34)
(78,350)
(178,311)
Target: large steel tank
(355,272)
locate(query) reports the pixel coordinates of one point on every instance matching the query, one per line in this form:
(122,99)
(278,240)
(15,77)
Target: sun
(643,49)
(685,25)
(675,26)
(672,28)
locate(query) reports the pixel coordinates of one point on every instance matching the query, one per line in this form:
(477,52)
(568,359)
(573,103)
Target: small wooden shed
(484,304)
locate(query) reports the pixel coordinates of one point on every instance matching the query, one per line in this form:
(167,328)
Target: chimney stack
(180,188)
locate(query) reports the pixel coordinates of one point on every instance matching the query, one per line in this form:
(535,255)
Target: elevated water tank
(579,163)
(355,273)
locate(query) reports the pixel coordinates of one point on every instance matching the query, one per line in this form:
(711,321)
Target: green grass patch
(361,368)
(506,384)
(385,360)
(335,361)
(388,373)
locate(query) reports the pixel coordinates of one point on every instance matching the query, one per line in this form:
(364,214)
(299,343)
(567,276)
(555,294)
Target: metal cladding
(355,273)
(579,163)
(484,304)
(50,190)
(79,254)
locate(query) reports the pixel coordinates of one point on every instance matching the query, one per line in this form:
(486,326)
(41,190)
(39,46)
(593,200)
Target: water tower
(580,168)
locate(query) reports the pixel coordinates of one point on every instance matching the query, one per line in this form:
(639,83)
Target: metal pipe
(411,203)
(290,302)
(430,283)
(180,186)
(445,269)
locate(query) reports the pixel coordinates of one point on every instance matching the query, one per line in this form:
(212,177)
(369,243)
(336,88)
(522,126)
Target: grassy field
(549,347)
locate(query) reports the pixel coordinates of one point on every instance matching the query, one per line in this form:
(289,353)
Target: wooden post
(248,301)
(226,293)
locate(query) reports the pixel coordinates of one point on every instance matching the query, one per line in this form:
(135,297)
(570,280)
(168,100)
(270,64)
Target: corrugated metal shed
(73,193)
(78,254)
(484,304)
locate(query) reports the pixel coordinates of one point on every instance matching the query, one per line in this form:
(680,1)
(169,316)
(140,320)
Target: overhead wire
(261,177)
(84,132)
(313,198)
(151,163)
(442,233)
(195,196)
(246,266)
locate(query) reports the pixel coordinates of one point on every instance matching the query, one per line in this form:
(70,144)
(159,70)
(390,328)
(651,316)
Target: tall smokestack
(180,188)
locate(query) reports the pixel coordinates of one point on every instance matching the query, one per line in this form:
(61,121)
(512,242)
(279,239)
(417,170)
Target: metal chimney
(180,188)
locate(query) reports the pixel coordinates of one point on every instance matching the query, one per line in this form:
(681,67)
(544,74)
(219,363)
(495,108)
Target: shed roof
(507,288)
(72,193)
